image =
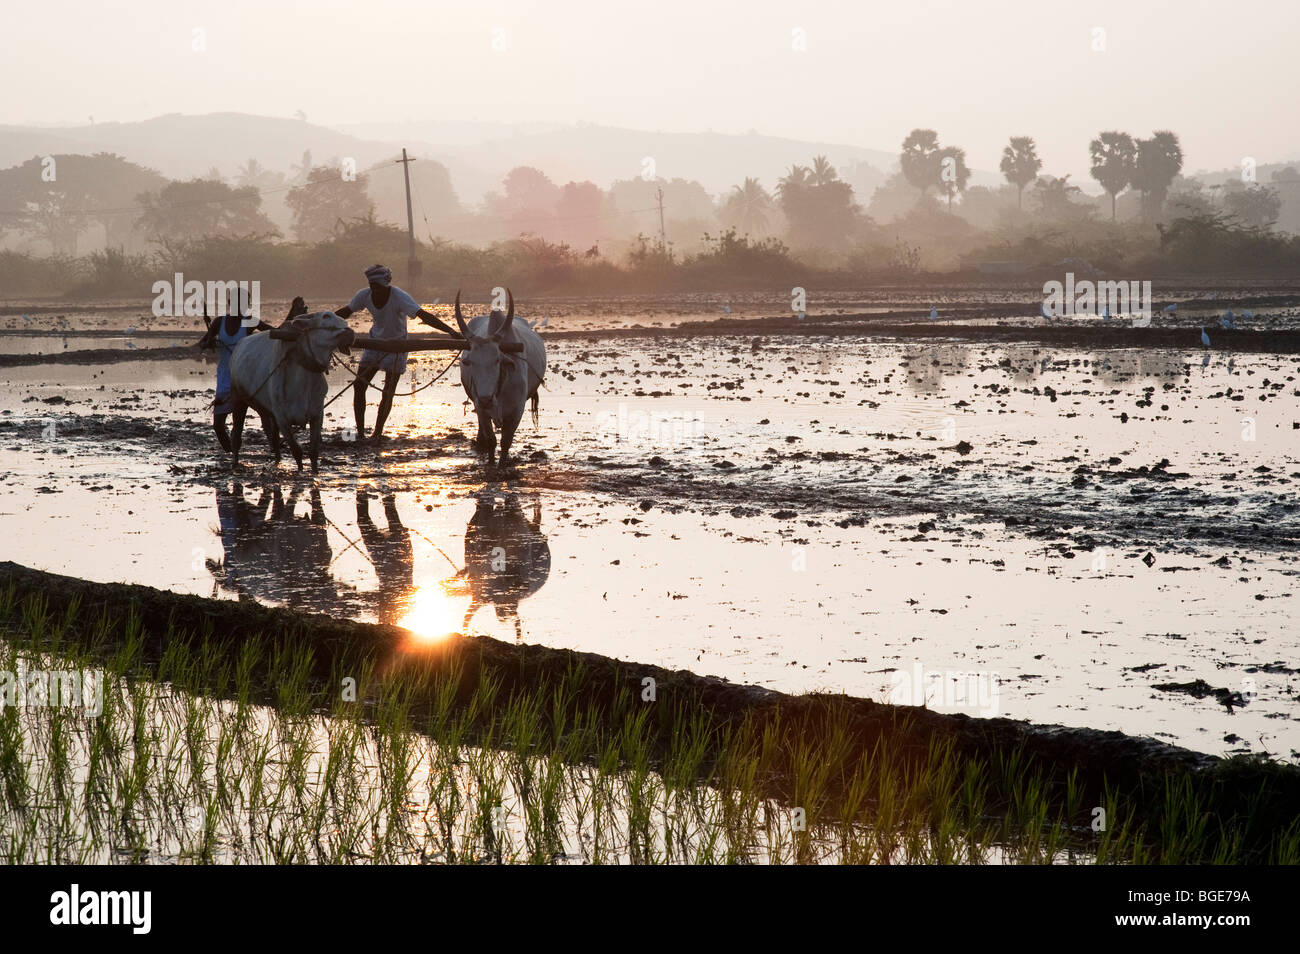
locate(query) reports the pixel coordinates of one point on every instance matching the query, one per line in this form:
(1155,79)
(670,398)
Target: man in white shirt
(389,309)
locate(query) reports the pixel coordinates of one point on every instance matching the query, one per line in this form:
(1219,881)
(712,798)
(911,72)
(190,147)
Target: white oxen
(284,381)
(497,382)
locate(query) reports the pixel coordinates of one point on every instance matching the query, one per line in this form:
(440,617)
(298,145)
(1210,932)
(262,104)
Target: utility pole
(663,238)
(412,263)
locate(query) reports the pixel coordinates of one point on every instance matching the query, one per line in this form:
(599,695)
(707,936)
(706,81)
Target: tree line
(926,213)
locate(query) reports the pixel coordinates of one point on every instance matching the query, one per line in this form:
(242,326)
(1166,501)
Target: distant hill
(185,146)
(1263,173)
(446,132)
(477,154)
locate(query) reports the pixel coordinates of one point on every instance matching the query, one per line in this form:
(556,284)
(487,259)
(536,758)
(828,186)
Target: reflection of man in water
(507,558)
(234,515)
(391,553)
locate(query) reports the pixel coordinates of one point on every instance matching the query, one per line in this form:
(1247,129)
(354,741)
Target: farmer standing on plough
(389,308)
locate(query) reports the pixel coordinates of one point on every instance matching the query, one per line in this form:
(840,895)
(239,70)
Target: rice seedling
(209,750)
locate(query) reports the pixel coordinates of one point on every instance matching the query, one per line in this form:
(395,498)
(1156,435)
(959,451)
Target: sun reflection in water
(432,614)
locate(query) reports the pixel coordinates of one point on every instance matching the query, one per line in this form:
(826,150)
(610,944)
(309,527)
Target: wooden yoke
(401,345)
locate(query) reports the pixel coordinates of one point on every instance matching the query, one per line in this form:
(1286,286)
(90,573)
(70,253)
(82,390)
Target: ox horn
(510,307)
(460,319)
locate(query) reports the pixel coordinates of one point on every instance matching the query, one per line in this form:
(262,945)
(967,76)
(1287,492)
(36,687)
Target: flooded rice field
(221,781)
(1088,537)
(18,343)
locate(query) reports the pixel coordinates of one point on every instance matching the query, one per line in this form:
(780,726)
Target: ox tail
(534,410)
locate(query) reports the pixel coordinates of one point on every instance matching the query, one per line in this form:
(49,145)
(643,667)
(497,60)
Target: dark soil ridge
(100,356)
(1254,797)
(1190,290)
(1089,336)
(886,326)
(148,334)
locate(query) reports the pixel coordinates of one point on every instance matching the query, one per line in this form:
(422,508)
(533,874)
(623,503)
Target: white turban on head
(380,274)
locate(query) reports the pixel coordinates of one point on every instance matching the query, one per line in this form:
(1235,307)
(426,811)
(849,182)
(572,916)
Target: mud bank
(1260,796)
(1092,335)
(98,356)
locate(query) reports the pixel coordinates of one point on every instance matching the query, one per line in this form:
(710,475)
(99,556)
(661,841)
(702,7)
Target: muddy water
(58,344)
(1048,536)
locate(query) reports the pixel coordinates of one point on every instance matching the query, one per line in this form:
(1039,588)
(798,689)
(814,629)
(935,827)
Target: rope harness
(356,372)
(306,358)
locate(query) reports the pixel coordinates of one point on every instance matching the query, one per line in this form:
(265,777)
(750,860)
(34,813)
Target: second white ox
(284,381)
(499,383)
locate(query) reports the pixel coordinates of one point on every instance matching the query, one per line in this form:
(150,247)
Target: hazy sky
(1223,74)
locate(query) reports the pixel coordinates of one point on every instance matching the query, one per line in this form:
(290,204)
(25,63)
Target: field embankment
(798,750)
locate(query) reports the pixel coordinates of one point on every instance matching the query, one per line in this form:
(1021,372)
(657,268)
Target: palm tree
(749,205)
(953,171)
(794,180)
(250,173)
(1020,165)
(1114,160)
(1054,194)
(1159,160)
(822,171)
(919,159)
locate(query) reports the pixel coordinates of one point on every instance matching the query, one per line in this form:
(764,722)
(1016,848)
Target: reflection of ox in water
(507,558)
(278,556)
